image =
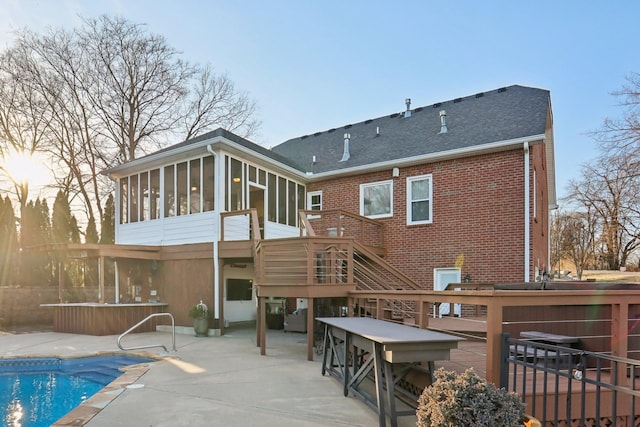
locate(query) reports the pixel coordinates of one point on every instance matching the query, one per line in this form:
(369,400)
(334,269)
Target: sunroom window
(376,199)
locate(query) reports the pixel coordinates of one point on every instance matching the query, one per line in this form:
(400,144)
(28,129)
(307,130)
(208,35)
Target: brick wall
(478,211)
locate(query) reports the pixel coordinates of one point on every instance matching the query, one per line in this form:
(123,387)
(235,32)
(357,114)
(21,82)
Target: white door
(441,278)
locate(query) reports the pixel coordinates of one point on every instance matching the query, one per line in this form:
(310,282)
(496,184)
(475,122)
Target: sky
(315,65)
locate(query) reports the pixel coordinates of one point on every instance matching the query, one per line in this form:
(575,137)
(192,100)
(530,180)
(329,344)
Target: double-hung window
(376,199)
(419,200)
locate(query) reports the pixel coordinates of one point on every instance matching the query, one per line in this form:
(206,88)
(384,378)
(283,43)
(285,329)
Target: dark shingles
(498,115)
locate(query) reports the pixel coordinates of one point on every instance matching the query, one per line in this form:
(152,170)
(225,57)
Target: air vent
(394,115)
(479,95)
(502,89)
(331,130)
(455,101)
(418,109)
(317,134)
(437,104)
(366,122)
(305,136)
(348,126)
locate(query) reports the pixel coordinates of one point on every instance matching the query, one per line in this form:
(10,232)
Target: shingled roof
(508,113)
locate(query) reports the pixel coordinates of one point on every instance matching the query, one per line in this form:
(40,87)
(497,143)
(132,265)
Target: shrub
(466,400)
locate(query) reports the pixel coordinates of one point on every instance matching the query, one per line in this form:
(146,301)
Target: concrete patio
(217,381)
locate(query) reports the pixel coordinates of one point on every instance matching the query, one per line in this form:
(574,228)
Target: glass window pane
(252,174)
(169,192)
(272,190)
(208,183)
(124,200)
(292,205)
(262,177)
(282,200)
(144,193)
(420,211)
(377,200)
(420,189)
(133,198)
(154,205)
(236,185)
(181,190)
(195,199)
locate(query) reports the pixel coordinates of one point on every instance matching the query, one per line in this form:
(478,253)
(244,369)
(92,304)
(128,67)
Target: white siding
(274,230)
(197,228)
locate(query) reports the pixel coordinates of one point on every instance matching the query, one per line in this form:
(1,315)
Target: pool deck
(217,380)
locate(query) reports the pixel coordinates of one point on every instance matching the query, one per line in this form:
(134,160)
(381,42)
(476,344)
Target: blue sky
(315,65)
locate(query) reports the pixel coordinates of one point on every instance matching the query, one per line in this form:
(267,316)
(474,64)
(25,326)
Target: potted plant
(468,400)
(200,315)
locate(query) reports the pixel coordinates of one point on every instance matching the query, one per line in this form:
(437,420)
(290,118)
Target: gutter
(527,214)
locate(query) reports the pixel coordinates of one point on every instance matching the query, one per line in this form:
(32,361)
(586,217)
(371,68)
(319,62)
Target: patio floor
(218,380)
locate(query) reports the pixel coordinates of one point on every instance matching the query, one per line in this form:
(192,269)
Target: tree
(91,233)
(108,227)
(8,242)
(577,239)
(608,190)
(105,93)
(61,219)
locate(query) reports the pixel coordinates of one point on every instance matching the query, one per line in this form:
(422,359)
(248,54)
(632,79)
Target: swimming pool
(36,392)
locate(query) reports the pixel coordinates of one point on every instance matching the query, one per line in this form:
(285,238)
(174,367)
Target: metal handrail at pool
(173,334)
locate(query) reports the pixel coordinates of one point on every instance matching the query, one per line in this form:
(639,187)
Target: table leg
(378,361)
(347,343)
(388,374)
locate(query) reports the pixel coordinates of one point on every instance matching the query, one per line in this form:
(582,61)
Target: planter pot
(201,326)
(529,421)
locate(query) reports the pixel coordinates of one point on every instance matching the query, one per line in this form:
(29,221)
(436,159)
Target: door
(441,278)
(256,201)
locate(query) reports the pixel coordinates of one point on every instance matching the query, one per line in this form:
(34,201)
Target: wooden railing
(339,223)
(604,320)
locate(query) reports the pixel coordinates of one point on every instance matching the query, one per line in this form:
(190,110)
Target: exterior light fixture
(467,278)
(236,179)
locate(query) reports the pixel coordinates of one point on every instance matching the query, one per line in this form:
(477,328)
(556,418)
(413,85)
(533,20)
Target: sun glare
(23,167)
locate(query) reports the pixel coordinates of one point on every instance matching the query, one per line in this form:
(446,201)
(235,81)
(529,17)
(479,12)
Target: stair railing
(173,334)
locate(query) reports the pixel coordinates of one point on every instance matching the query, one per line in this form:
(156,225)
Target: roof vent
(443,121)
(345,153)
(479,95)
(455,101)
(407,102)
(437,104)
(502,89)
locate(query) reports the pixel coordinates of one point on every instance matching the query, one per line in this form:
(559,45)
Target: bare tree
(577,239)
(104,94)
(609,189)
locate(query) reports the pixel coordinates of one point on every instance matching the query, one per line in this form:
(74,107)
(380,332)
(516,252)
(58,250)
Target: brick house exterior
(463,189)
(478,196)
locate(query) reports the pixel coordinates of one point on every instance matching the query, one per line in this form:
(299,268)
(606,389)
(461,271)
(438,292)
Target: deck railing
(604,320)
(568,386)
(339,223)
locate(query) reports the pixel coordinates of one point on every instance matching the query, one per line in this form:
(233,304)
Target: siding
(198,228)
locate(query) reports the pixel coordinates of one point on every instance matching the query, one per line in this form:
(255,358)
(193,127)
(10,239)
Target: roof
(221,136)
(505,114)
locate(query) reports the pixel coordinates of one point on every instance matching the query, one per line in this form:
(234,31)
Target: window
(314,200)
(195,196)
(239,289)
(273,197)
(133,200)
(208,183)
(124,200)
(376,199)
(144,193)
(282,200)
(419,202)
(169,192)
(181,188)
(154,207)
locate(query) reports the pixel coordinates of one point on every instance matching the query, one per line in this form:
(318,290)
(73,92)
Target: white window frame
(363,187)
(410,199)
(310,195)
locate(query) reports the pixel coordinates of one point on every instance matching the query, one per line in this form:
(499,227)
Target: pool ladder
(173,333)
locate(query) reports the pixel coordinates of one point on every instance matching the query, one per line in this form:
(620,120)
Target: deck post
(494,344)
(310,328)
(619,335)
(263,325)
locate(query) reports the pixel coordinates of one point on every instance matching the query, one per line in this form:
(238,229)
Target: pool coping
(83,413)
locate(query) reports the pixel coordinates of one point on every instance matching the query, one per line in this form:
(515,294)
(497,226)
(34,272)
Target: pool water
(36,392)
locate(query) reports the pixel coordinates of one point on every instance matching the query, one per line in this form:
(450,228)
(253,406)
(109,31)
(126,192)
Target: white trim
(372,184)
(527,216)
(410,198)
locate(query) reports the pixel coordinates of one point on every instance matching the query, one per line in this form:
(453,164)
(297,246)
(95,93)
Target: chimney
(408,112)
(443,121)
(345,153)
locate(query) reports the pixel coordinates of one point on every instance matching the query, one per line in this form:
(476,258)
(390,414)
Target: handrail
(173,328)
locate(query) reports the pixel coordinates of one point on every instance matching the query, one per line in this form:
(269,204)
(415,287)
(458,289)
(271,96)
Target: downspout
(527,225)
(216,264)
(117,281)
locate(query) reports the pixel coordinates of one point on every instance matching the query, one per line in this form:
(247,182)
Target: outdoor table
(354,346)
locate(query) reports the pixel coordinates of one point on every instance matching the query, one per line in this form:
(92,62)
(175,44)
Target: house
(455,191)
